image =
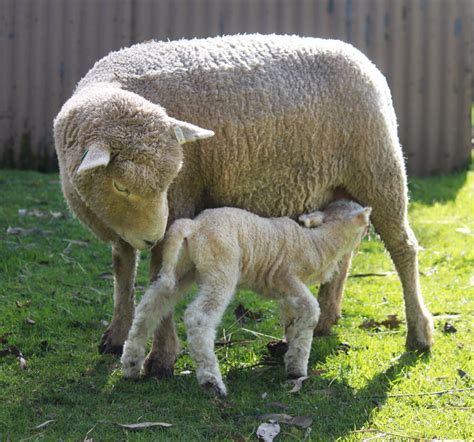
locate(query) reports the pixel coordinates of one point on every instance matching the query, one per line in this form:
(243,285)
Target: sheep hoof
(420,337)
(214,389)
(413,344)
(153,368)
(325,324)
(106,345)
(322,331)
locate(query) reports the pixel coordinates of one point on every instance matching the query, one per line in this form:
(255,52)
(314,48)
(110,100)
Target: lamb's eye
(120,188)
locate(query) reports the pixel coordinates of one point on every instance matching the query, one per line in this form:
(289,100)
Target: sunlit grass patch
(55,301)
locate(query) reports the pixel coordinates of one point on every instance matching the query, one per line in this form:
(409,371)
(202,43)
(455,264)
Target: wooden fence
(424,47)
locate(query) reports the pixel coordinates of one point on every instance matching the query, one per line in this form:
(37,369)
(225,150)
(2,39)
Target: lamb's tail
(172,251)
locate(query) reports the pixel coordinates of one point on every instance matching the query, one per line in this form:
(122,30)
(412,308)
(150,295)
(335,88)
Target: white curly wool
(277,125)
(224,248)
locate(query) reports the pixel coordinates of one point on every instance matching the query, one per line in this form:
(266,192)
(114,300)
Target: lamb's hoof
(154,368)
(107,346)
(214,389)
(292,375)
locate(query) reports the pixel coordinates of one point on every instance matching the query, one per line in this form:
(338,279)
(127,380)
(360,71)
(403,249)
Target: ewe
(226,247)
(289,123)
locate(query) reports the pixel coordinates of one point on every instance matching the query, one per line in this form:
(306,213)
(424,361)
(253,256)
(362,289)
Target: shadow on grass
(337,409)
(437,189)
(98,397)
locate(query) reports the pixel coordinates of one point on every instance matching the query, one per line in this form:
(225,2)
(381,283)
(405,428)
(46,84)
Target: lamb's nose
(149,243)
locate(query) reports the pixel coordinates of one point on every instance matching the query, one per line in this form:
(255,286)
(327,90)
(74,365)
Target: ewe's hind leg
(330,298)
(124,259)
(201,319)
(386,192)
(402,246)
(300,313)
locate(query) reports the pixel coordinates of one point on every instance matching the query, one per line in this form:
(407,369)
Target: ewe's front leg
(300,314)
(124,258)
(330,298)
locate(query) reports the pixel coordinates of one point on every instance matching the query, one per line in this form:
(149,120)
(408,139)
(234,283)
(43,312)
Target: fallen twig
(258,333)
(367,275)
(434,393)
(230,343)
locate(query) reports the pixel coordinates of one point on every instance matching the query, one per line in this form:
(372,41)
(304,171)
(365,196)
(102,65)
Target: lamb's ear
(97,154)
(187,132)
(361,216)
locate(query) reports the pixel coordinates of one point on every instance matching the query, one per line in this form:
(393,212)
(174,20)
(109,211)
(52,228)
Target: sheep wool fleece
(294,120)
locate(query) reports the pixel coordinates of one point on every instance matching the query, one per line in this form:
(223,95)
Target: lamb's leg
(330,298)
(300,314)
(201,319)
(124,258)
(160,361)
(157,302)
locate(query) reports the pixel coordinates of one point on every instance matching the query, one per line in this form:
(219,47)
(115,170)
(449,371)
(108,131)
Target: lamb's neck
(330,242)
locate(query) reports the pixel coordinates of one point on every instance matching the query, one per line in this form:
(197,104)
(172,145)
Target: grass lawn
(55,298)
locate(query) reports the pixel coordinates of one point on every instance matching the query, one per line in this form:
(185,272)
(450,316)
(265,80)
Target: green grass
(57,284)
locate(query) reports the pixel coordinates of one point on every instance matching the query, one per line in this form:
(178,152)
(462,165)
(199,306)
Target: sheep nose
(149,243)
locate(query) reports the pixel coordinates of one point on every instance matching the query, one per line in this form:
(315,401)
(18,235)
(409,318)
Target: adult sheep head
(121,153)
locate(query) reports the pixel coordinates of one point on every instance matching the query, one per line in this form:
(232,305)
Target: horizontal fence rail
(424,48)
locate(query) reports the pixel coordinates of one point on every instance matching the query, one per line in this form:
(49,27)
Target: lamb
(226,247)
(277,125)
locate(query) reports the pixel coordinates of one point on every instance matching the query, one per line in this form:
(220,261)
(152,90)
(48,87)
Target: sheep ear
(96,154)
(361,216)
(187,132)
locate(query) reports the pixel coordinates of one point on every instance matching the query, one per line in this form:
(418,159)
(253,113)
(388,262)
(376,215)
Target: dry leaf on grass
(279,405)
(3,338)
(22,361)
(20,231)
(317,372)
(243,314)
(266,432)
(277,349)
(297,384)
(449,328)
(392,322)
(23,304)
(42,214)
(106,275)
(145,425)
(282,418)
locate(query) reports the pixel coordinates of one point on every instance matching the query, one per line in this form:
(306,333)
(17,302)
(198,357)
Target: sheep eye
(120,188)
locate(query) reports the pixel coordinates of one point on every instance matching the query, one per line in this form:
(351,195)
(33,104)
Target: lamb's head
(353,219)
(122,152)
